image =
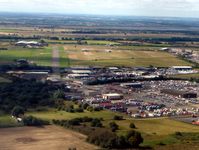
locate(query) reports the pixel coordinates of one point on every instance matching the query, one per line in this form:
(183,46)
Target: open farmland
(106,56)
(39,56)
(49,137)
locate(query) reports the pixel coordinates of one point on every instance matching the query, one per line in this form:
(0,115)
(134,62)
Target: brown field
(46,138)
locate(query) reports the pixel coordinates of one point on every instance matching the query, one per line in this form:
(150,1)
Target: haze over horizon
(166,8)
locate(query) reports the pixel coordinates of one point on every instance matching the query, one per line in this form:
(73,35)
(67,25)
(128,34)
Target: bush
(69,108)
(87,119)
(90,108)
(113,126)
(74,122)
(103,138)
(17,111)
(97,109)
(96,123)
(132,126)
(118,117)
(79,110)
(32,121)
(84,106)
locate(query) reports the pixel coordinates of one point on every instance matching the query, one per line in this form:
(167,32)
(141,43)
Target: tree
(32,121)
(113,126)
(59,94)
(118,117)
(103,138)
(17,111)
(90,108)
(96,123)
(85,106)
(134,138)
(132,125)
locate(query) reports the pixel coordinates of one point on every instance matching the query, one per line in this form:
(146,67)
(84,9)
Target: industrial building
(182,69)
(180,94)
(132,85)
(30,44)
(112,96)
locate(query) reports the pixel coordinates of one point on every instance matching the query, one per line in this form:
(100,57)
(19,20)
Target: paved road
(55,60)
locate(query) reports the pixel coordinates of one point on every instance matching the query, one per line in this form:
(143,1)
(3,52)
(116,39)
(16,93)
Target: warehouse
(182,69)
(132,85)
(180,94)
(112,96)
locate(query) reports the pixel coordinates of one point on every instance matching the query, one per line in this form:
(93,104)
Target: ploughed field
(44,138)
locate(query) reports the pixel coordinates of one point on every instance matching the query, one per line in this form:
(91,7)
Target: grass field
(39,56)
(8,121)
(187,76)
(98,42)
(154,131)
(99,56)
(64,61)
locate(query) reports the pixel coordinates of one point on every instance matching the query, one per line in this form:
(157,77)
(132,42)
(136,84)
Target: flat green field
(41,57)
(106,56)
(98,42)
(187,76)
(154,131)
(63,60)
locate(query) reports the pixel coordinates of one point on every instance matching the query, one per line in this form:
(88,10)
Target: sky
(168,8)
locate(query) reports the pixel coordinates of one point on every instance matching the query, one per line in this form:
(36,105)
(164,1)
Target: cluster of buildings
(30,44)
(191,55)
(140,92)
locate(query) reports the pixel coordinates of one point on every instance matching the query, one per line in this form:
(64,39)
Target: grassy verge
(7,121)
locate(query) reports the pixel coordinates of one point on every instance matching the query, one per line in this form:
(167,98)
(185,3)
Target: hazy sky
(175,8)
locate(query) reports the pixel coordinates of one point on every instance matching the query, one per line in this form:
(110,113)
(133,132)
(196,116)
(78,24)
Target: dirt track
(47,138)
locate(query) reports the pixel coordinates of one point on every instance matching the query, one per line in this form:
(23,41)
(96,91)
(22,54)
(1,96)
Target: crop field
(105,56)
(48,137)
(39,56)
(154,131)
